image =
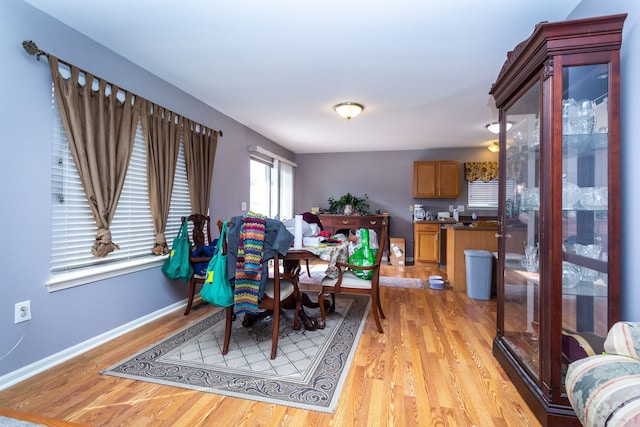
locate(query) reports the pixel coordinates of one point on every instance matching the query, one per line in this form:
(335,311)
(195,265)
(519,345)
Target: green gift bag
(363,256)
(177,265)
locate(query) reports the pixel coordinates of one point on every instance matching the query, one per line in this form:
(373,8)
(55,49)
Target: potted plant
(348,204)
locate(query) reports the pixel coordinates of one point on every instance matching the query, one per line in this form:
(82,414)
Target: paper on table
(297,232)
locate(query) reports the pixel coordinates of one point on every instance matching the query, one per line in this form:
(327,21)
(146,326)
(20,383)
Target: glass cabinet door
(585,245)
(522,225)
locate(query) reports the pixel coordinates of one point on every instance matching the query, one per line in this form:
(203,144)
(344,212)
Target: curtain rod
(32,49)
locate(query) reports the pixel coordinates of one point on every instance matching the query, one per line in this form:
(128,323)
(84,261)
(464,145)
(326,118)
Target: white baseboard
(42,365)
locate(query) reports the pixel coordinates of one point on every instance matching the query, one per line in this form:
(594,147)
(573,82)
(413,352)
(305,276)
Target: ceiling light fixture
(494,127)
(494,147)
(348,110)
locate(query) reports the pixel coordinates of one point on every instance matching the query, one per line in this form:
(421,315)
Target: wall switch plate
(23,311)
(450,208)
(460,208)
(410,208)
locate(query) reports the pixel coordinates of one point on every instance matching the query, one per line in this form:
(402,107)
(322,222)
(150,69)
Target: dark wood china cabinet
(558,97)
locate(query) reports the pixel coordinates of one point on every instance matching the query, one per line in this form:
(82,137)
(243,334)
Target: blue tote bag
(217,289)
(177,266)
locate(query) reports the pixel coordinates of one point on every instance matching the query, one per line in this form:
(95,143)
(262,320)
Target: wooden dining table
(332,254)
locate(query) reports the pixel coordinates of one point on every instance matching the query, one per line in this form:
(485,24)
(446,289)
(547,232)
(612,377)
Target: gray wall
(385,176)
(68,317)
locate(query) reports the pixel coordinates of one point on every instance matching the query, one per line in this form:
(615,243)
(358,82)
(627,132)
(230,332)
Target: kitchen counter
(475,227)
(430,246)
(435,221)
(459,224)
(462,237)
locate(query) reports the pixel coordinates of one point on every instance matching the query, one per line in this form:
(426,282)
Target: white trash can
(479,265)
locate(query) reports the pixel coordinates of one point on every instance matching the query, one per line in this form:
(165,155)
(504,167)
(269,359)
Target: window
(73,229)
(260,192)
(271,191)
(485,194)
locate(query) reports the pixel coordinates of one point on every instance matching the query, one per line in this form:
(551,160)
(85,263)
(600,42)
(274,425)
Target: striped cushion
(604,390)
(624,338)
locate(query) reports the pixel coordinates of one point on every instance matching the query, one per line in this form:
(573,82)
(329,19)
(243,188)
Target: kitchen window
(485,194)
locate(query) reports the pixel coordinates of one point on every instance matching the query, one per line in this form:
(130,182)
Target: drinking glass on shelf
(530,259)
(570,193)
(588,275)
(570,117)
(530,198)
(530,263)
(590,251)
(587,116)
(590,198)
(570,275)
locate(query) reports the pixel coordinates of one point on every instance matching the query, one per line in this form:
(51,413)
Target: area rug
(317,273)
(308,372)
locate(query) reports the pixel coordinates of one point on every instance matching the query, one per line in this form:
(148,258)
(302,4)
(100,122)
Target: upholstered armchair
(604,389)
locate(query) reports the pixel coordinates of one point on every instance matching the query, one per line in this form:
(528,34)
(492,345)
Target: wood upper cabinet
(436,179)
(426,243)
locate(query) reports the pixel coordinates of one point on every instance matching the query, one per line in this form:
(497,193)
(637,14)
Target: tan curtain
(200,145)
(100,130)
(484,171)
(161,128)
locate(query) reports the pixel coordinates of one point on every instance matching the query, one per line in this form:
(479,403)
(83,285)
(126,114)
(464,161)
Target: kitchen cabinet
(560,91)
(426,242)
(436,179)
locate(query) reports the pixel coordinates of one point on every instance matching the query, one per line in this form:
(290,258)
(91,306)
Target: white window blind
(73,229)
(485,194)
(286,190)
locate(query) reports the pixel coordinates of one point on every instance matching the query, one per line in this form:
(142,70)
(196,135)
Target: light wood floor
(432,367)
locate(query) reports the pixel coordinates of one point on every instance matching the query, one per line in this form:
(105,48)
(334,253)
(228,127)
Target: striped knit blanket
(249,263)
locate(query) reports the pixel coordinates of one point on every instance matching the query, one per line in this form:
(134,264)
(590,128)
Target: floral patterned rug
(308,372)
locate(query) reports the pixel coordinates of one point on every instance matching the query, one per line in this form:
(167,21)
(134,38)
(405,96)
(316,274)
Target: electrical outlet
(410,208)
(450,208)
(244,206)
(23,311)
(460,208)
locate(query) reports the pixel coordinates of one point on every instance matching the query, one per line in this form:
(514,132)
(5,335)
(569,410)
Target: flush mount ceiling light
(494,127)
(348,110)
(494,147)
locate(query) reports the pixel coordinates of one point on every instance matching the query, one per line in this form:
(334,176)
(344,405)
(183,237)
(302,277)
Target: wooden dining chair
(281,291)
(200,237)
(347,281)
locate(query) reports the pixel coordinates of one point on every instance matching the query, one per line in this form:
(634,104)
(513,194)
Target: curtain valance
(483,171)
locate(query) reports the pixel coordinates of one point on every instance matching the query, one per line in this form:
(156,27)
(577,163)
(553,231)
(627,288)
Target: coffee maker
(418,212)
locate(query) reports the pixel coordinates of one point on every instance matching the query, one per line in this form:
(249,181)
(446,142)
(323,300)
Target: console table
(335,223)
